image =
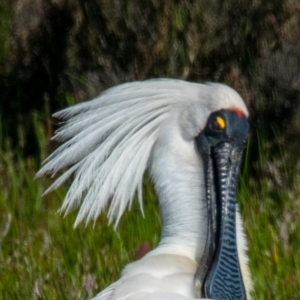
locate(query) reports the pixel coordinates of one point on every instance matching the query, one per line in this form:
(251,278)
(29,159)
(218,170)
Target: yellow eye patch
(221,122)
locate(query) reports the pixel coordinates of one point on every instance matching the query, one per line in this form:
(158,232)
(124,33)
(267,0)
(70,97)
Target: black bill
(220,145)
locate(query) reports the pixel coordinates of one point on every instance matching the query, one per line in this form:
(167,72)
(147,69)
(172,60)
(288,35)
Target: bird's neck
(181,196)
(184,228)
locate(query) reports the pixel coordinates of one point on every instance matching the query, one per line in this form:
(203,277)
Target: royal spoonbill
(190,138)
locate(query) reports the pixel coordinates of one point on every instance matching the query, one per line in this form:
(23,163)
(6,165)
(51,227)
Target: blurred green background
(54,53)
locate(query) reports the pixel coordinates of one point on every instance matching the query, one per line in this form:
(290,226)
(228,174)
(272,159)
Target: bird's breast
(160,274)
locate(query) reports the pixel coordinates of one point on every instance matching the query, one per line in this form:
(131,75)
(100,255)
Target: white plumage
(109,142)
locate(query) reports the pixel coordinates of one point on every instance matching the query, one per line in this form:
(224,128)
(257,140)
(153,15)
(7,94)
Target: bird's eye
(217,124)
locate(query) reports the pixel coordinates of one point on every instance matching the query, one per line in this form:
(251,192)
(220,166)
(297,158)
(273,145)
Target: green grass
(43,257)
(271,211)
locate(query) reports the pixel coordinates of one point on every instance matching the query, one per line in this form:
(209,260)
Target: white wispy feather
(108,143)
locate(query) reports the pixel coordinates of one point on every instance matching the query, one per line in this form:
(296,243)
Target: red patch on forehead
(238,111)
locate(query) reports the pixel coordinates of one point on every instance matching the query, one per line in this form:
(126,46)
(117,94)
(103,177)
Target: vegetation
(43,257)
(54,53)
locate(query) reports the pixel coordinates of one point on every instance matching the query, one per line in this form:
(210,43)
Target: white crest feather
(107,143)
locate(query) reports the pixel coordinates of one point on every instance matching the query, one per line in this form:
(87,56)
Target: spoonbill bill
(190,137)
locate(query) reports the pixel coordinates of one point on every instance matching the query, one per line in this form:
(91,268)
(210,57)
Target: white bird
(189,137)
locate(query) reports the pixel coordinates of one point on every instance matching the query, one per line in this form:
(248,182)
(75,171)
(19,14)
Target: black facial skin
(220,145)
(235,131)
